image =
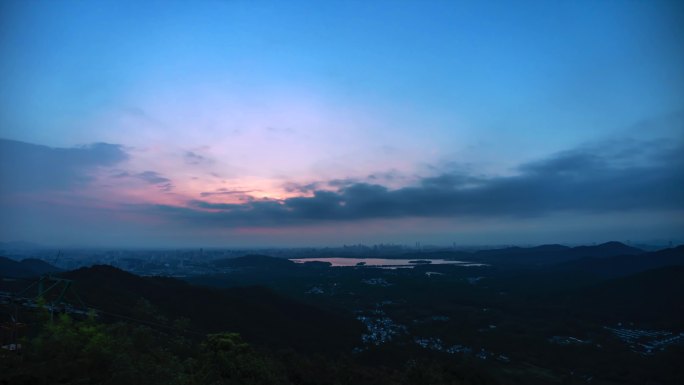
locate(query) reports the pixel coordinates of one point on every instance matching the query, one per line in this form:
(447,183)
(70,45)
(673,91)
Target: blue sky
(236,102)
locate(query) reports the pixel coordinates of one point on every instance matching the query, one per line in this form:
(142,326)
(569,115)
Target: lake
(385,262)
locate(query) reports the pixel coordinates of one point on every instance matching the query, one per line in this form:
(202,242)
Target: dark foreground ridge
(251,311)
(606,314)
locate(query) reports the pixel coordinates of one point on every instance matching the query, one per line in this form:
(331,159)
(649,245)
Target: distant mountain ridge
(19,245)
(556,252)
(621,265)
(537,255)
(607,249)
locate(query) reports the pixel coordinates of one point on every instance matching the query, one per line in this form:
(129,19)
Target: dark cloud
(225,191)
(151,177)
(30,167)
(339,183)
(194,158)
(584,180)
(389,176)
(450,180)
(301,188)
(214,206)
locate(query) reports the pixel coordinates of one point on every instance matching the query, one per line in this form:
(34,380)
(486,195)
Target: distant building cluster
(436,344)
(315,290)
(377,282)
(566,340)
(646,342)
(380,330)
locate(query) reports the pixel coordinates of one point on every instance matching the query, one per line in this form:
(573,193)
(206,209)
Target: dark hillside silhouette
(258,314)
(622,265)
(26,268)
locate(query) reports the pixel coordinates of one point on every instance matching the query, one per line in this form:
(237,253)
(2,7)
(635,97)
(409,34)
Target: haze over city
(171,124)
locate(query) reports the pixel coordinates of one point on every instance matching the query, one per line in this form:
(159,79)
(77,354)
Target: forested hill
(258,314)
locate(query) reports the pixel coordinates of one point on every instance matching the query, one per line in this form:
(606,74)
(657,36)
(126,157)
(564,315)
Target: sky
(308,123)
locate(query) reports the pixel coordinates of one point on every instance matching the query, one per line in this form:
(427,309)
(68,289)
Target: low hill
(260,315)
(608,249)
(552,254)
(26,268)
(622,265)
